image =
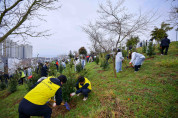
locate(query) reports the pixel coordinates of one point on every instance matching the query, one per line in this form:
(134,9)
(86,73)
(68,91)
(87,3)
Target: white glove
(72,94)
(54,104)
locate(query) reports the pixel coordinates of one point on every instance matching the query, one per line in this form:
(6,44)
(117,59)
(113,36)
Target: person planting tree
(137,60)
(34,102)
(83,86)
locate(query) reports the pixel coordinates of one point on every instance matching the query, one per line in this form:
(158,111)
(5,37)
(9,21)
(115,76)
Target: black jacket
(165,42)
(44,71)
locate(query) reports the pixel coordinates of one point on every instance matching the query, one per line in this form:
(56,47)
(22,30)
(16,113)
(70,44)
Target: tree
(132,41)
(71,55)
(115,20)
(99,43)
(173,14)
(17,15)
(159,33)
(82,51)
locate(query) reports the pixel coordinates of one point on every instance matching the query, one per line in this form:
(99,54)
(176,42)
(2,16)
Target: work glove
(130,62)
(54,104)
(72,94)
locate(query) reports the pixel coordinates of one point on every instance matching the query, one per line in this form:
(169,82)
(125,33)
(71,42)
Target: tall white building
(1,49)
(17,51)
(21,51)
(27,51)
(11,49)
(6,48)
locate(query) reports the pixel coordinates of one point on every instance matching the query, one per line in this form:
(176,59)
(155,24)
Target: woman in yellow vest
(34,102)
(83,86)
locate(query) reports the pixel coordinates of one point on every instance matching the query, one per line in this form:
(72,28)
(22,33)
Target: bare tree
(99,41)
(115,20)
(16,17)
(173,15)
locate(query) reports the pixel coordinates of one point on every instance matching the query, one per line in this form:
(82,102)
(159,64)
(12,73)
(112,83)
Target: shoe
(161,54)
(79,94)
(135,71)
(85,98)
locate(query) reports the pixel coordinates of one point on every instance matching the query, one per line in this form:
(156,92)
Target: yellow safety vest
(86,81)
(42,92)
(23,74)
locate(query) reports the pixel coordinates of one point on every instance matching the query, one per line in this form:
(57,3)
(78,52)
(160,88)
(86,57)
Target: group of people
(138,58)
(35,101)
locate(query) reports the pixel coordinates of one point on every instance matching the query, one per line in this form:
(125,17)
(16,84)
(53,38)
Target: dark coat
(165,42)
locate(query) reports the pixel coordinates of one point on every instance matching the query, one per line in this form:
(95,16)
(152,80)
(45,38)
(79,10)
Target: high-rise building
(11,49)
(27,51)
(21,51)
(17,51)
(6,48)
(1,49)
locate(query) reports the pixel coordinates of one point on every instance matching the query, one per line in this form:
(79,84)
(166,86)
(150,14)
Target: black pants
(137,67)
(21,80)
(162,49)
(27,109)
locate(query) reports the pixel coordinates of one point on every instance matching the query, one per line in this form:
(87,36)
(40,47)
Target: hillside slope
(151,92)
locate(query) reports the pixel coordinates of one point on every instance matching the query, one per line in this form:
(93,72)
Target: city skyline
(11,49)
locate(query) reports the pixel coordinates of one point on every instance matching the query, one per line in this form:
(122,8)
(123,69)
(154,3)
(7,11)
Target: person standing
(34,102)
(164,45)
(83,62)
(22,76)
(118,61)
(57,64)
(44,70)
(137,60)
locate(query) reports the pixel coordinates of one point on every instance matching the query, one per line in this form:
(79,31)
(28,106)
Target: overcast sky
(65,24)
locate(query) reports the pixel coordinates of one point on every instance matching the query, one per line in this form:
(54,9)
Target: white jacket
(119,57)
(136,55)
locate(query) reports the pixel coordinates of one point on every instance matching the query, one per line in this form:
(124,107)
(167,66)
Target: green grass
(151,92)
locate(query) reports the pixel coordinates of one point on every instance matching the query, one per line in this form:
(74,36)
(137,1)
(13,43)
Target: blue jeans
(118,66)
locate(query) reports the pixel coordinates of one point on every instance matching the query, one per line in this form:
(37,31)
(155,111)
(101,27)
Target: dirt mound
(61,110)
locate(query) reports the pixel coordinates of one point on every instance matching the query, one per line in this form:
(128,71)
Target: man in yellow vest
(34,102)
(22,76)
(83,86)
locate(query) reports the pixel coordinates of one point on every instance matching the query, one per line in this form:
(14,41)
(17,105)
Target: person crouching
(83,86)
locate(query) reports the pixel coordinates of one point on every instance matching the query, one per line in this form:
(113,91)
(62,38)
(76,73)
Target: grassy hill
(150,92)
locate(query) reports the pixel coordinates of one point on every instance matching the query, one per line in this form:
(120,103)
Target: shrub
(52,69)
(104,64)
(2,85)
(150,50)
(83,73)
(124,52)
(79,68)
(97,60)
(13,85)
(71,62)
(14,82)
(32,81)
(144,48)
(68,88)
(61,68)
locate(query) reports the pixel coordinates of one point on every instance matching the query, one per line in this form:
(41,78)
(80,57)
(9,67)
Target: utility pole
(176,33)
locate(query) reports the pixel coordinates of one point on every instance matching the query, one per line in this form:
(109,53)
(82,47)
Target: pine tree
(151,49)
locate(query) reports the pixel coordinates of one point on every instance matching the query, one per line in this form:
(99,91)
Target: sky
(65,24)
